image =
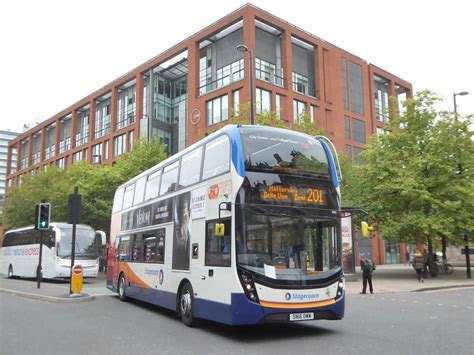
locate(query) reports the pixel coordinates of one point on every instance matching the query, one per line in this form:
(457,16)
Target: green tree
(416,182)
(97,186)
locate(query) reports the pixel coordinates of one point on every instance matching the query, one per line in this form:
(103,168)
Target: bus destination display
(293,194)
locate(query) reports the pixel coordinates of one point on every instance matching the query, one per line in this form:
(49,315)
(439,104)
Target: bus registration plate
(294,317)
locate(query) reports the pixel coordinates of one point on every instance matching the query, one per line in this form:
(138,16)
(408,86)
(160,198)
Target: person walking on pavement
(407,257)
(419,265)
(368,267)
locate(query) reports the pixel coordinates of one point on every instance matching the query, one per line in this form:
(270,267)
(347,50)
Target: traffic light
(43,216)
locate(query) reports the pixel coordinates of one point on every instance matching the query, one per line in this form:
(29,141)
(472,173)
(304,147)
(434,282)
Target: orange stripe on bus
(131,276)
(297,305)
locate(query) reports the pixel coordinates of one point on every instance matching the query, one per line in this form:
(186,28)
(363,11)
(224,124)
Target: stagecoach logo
(301,297)
(161,277)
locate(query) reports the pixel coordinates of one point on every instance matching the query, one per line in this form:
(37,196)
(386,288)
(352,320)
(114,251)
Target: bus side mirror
(365,229)
(103,239)
(219,230)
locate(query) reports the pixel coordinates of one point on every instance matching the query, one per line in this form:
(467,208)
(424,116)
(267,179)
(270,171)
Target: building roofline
(171,52)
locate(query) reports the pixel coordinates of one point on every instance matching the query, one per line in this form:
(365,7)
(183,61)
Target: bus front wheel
(10,272)
(121,288)
(186,305)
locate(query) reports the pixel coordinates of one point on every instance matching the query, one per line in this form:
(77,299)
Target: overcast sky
(54,53)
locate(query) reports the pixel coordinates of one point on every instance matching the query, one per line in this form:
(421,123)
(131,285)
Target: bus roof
(231,130)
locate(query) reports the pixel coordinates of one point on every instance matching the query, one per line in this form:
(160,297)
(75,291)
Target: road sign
(76,278)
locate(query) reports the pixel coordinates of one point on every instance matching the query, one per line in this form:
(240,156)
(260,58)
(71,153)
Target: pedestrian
(412,255)
(407,258)
(419,265)
(368,267)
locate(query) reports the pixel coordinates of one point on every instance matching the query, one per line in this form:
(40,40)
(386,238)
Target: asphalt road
(438,322)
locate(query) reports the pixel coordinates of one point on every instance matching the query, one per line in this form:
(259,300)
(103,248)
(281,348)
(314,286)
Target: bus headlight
(340,287)
(248,285)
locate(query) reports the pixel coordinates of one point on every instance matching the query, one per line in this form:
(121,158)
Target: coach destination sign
(292,194)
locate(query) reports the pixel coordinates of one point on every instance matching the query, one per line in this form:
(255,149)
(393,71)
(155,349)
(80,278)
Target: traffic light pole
(39,269)
(74,213)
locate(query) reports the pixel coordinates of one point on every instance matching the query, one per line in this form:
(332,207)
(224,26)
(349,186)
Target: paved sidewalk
(54,290)
(401,278)
(386,279)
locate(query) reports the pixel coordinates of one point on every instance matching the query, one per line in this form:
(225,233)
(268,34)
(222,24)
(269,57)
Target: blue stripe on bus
(332,165)
(237,149)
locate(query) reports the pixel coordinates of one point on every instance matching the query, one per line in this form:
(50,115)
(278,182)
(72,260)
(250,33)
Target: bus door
(216,274)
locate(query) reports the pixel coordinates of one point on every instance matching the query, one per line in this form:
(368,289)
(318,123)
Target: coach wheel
(10,272)
(121,288)
(186,305)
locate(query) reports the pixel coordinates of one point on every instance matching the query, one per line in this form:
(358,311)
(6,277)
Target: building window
(303,67)
(61,163)
(106,150)
(357,95)
(77,157)
(82,127)
(267,71)
(50,146)
(278,105)
(263,100)
(348,152)
(300,83)
(235,102)
(358,131)
(217,110)
(230,73)
(125,107)
(382,131)
(312,114)
(36,157)
(299,108)
(65,135)
(119,145)
(402,96)
(347,127)
(344,83)
(102,118)
(381,99)
(357,151)
(130,141)
(97,154)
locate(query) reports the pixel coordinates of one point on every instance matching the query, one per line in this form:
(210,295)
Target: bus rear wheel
(121,288)
(186,305)
(10,272)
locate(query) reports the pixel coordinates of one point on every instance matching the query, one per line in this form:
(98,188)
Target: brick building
(200,81)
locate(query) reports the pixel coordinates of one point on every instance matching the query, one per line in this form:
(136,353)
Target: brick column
(286,54)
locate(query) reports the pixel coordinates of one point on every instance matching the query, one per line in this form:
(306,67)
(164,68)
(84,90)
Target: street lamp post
(463,233)
(455,106)
(243,48)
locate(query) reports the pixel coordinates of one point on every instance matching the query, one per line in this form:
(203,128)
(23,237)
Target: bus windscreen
(283,152)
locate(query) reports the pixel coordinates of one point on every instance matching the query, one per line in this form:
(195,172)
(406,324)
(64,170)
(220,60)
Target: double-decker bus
(19,254)
(242,227)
